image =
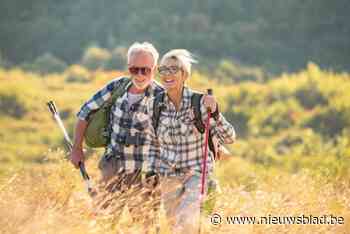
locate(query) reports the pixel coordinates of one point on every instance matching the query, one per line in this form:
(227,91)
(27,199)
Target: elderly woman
(181,144)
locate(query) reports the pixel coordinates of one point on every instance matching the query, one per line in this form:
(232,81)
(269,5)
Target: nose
(139,72)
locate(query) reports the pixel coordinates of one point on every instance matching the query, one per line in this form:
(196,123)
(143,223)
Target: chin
(142,85)
(170,87)
(166,86)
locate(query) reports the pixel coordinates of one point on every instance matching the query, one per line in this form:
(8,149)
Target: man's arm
(92,104)
(77,154)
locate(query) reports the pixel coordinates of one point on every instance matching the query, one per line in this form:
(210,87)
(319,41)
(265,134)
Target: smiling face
(172,75)
(142,69)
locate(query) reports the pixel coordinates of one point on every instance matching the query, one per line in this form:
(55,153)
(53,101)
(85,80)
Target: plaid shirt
(181,145)
(126,121)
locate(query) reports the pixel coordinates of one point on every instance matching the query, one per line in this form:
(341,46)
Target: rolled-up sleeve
(221,128)
(96,101)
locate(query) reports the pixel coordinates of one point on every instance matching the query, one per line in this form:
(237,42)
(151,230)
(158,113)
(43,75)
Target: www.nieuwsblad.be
(217,219)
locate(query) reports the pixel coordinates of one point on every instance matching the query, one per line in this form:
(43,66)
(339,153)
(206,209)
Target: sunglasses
(166,71)
(137,70)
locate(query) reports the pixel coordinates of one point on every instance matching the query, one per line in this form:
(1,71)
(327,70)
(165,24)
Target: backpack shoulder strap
(157,109)
(120,89)
(196,106)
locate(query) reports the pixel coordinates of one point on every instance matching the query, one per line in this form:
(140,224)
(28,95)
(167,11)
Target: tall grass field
(291,159)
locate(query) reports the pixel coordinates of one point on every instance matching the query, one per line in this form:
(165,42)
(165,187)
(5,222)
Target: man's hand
(76,156)
(151,180)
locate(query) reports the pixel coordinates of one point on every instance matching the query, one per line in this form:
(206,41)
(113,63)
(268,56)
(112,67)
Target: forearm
(219,126)
(80,128)
(223,130)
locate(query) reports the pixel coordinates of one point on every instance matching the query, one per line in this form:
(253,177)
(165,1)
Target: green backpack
(97,133)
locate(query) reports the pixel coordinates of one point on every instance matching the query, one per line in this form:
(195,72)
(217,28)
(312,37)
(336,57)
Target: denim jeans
(181,200)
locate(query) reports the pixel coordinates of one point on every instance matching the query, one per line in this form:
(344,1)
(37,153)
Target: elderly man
(128,152)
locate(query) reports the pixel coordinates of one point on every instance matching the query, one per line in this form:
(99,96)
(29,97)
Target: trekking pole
(204,161)
(69,145)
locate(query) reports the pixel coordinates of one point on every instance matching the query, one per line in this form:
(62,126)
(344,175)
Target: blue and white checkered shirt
(127,121)
(181,144)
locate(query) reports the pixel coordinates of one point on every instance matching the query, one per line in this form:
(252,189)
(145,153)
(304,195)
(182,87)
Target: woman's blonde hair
(184,57)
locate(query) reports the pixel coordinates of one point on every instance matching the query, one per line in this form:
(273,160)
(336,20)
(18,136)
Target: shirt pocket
(188,128)
(164,129)
(141,122)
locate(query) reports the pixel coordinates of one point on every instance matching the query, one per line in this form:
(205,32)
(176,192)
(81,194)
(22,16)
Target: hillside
(292,156)
(275,35)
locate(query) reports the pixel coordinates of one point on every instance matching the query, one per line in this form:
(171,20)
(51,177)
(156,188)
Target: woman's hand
(210,103)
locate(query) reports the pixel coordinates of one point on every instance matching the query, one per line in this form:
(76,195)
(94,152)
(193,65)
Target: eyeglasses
(166,71)
(137,70)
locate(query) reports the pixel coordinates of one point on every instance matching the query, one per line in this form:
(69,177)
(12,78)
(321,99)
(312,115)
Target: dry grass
(51,199)
(40,195)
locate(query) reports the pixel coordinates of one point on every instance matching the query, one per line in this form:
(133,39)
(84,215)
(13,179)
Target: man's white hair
(184,57)
(143,47)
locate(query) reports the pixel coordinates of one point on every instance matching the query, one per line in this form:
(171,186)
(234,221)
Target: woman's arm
(219,126)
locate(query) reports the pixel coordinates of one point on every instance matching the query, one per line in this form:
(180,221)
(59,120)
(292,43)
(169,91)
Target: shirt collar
(149,90)
(185,101)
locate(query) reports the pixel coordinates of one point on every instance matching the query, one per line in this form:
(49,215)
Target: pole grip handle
(210,91)
(83,171)
(52,107)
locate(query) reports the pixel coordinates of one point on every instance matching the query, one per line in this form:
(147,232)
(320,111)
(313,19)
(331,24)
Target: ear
(185,75)
(155,68)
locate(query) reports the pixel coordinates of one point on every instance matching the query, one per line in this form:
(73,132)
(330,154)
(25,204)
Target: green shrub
(10,105)
(46,64)
(299,142)
(309,96)
(329,122)
(117,60)
(95,58)
(77,73)
(239,119)
(275,117)
(230,72)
